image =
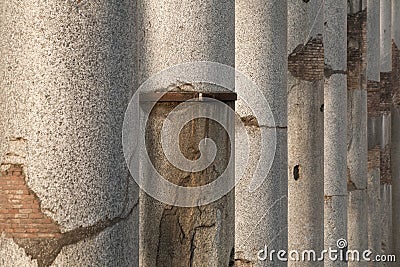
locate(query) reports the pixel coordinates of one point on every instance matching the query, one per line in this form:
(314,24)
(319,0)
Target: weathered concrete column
(172,32)
(335,115)
(373,102)
(396,174)
(395,140)
(261,216)
(386,222)
(65,193)
(305,127)
(374,203)
(386,101)
(357,147)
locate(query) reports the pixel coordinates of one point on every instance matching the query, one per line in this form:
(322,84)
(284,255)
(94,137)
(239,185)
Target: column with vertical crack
(172,32)
(357,147)
(261,215)
(335,116)
(66,196)
(305,127)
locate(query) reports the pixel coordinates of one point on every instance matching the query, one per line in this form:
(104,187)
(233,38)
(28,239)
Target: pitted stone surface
(357,222)
(335,112)
(386,35)
(66,65)
(261,216)
(67,75)
(373,42)
(305,126)
(335,115)
(12,255)
(104,249)
(174,32)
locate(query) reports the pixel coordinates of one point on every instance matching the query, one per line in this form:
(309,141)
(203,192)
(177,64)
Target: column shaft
(261,216)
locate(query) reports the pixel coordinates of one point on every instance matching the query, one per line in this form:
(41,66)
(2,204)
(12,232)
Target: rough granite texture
(357,223)
(305,127)
(373,41)
(357,146)
(386,221)
(65,65)
(104,249)
(374,202)
(13,255)
(333,219)
(335,115)
(172,32)
(261,216)
(386,35)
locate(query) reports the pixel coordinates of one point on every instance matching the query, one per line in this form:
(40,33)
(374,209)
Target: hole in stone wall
(296,172)
(322,108)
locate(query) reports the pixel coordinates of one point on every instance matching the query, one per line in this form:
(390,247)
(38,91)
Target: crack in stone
(250,120)
(351,186)
(46,251)
(328,71)
(192,246)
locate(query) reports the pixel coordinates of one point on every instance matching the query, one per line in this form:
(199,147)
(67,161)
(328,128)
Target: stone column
(335,115)
(373,102)
(261,216)
(395,172)
(305,126)
(172,32)
(357,147)
(385,105)
(395,141)
(66,196)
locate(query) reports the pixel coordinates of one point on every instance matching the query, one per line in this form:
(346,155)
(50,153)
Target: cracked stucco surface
(178,236)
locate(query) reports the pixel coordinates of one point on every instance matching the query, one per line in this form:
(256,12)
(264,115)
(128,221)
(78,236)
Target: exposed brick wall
(306,62)
(396,73)
(356,51)
(20,213)
(373,98)
(386,92)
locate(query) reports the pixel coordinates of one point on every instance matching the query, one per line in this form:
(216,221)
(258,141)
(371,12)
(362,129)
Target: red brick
(25,210)
(21,216)
(35,216)
(20,213)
